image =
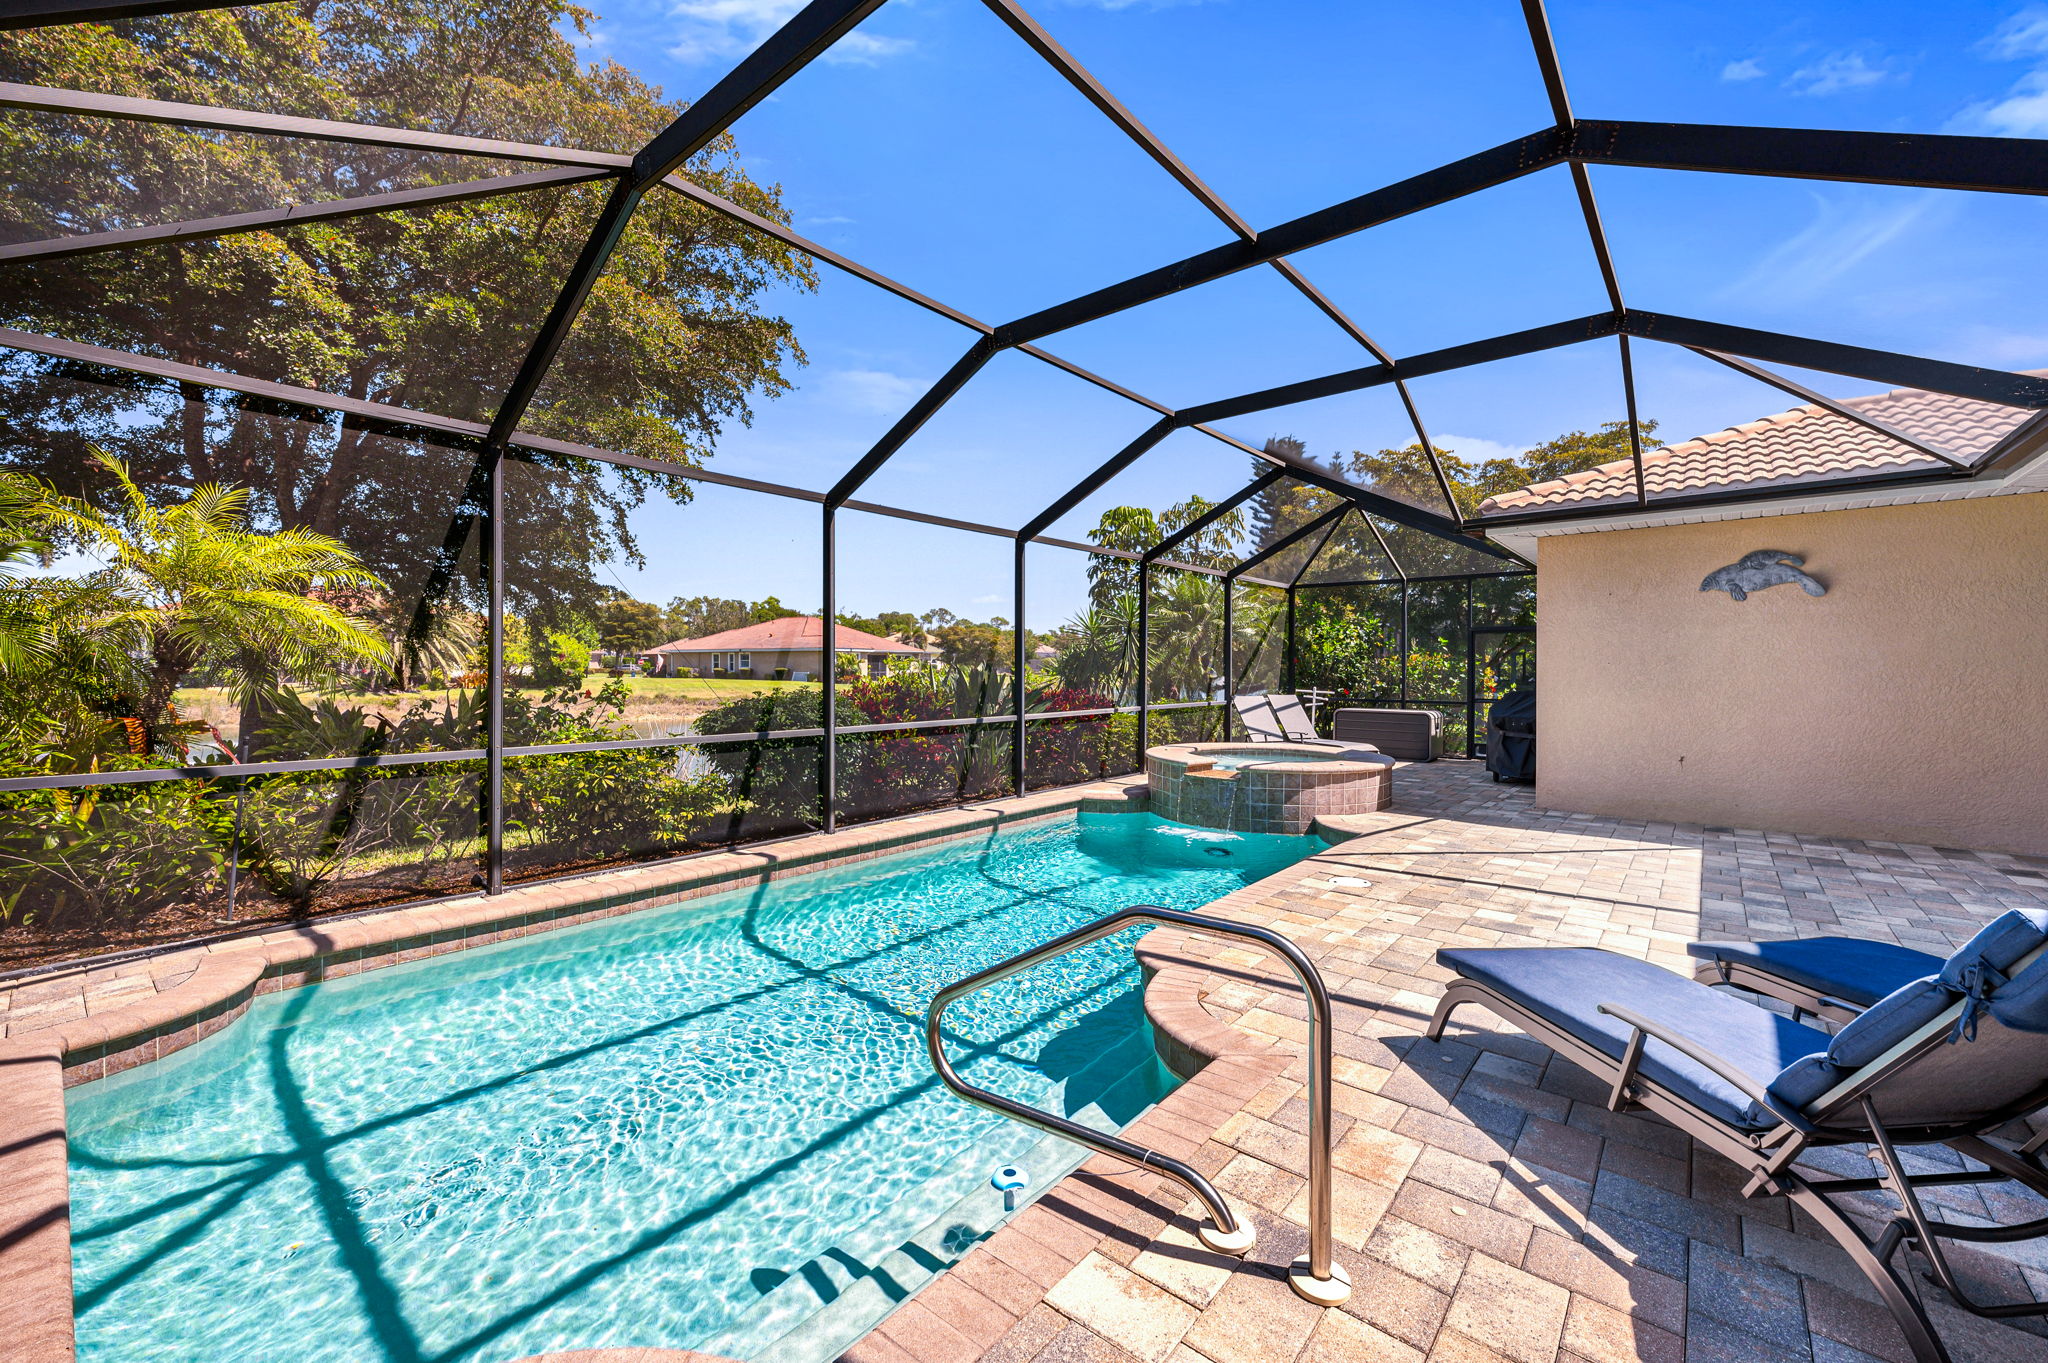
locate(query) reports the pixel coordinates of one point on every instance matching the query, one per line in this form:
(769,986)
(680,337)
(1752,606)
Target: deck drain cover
(1353,881)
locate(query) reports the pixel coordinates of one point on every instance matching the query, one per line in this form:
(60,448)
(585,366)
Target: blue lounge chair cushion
(1564,985)
(1846,968)
(2023,1004)
(1976,969)
(1998,945)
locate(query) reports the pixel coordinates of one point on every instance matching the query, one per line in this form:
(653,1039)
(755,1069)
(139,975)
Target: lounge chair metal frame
(1845,1115)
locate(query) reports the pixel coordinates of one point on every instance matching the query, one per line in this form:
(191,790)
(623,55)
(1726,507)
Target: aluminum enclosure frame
(1981,164)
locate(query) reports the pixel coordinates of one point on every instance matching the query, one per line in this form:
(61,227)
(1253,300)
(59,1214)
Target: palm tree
(1104,654)
(190,585)
(25,633)
(1187,635)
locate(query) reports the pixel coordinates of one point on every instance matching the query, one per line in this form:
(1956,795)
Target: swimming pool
(708,1126)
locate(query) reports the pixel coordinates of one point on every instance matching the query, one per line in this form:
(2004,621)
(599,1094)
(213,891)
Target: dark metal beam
(473,434)
(1213,515)
(1402,513)
(1997,165)
(276,219)
(1127,122)
(1062,61)
(1801,391)
(128,109)
(783,234)
(921,411)
(1105,471)
(785,52)
(1286,541)
(1509,161)
(1879,366)
(562,314)
(1545,46)
(42,13)
(1316,553)
(760,74)
(1635,427)
(691,190)
(1400,573)
(1547,337)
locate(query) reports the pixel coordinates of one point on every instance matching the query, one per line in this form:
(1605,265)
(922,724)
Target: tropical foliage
(428,308)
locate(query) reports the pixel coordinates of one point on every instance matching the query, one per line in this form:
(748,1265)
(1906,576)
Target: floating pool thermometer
(1009,1181)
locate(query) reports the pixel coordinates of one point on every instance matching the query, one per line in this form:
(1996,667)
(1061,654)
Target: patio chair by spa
(1273,718)
(1949,1057)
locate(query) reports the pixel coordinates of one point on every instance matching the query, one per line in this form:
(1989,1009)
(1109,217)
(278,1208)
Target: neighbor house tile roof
(790,632)
(1806,444)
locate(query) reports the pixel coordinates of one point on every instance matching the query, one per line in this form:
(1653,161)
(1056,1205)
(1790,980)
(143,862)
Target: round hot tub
(1264,787)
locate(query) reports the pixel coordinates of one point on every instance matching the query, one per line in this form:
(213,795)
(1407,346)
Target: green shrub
(586,806)
(564,660)
(778,777)
(108,856)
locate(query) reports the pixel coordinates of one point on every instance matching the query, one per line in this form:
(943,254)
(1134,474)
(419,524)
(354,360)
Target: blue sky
(934,147)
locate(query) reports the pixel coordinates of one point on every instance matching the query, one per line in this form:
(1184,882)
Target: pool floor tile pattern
(1489,1208)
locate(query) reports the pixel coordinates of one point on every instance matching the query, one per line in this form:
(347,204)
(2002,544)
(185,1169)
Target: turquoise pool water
(709,1126)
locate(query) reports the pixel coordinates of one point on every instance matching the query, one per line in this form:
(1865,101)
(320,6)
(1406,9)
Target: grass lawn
(714,689)
(657,704)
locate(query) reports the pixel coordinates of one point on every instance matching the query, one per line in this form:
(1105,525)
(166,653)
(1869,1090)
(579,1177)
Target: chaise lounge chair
(1830,977)
(1949,1057)
(1280,719)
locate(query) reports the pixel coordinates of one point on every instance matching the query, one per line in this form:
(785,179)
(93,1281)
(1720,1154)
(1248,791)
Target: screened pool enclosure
(490,452)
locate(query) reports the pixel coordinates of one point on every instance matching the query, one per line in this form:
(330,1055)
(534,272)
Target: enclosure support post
(828,679)
(1229,650)
(1404,643)
(1017,773)
(1144,661)
(1287,655)
(494,680)
(1471,677)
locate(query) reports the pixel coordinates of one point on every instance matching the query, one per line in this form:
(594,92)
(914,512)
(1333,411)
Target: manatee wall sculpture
(1755,571)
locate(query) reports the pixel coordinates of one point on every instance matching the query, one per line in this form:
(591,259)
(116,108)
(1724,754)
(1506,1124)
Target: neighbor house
(792,647)
(1908,703)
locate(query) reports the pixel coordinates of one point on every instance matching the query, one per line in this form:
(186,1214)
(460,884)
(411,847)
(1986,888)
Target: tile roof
(790,632)
(1805,444)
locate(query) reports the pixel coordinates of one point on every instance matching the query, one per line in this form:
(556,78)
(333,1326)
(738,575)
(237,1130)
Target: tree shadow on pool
(1069,1056)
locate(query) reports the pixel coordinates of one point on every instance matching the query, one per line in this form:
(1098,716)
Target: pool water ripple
(619,1134)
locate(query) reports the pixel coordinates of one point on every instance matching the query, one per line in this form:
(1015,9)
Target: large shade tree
(431,309)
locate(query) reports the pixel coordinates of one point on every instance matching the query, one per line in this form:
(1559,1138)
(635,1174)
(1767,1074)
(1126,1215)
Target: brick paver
(1488,1207)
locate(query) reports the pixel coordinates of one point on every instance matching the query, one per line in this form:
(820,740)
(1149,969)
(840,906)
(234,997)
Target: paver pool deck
(1488,1206)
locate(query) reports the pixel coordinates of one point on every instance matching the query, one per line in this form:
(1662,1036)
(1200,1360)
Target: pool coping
(204,988)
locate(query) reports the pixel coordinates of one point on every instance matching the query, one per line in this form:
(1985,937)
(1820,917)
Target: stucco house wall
(1909,704)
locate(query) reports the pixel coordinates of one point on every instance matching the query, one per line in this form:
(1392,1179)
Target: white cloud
(708,30)
(829,220)
(1836,72)
(2023,113)
(871,390)
(1749,68)
(1842,235)
(2025,34)
(2024,110)
(1475,449)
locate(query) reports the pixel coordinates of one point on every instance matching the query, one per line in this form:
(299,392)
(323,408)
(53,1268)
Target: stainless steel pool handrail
(1315,1276)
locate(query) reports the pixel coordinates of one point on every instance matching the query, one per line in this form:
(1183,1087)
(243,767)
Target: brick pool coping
(72,1026)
